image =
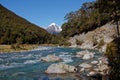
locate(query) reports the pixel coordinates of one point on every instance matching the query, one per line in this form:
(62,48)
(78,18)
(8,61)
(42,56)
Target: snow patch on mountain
(54,28)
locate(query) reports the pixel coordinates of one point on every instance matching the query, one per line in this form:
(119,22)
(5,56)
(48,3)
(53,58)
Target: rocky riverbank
(96,39)
(94,66)
(90,67)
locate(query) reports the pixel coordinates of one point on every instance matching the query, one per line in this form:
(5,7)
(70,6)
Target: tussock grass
(23,47)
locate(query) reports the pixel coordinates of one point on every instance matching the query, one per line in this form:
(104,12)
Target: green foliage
(95,42)
(113,48)
(64,42)
(110,8)
(113,54)
(67,43)
(13,46)
(14,29)
(100,43)
(79,42)
(91,16)
(82,20)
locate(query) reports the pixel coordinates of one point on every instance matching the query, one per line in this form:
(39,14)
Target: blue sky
(43,12)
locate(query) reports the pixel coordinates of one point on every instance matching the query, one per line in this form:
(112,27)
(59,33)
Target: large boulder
(51,58)
(60,68)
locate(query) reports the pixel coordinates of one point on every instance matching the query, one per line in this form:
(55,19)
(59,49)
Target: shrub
(79,42)
(113,54)
(100,43)
(94,40)
(13,46)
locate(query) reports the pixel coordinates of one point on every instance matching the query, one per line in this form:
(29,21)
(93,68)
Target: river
(27,65)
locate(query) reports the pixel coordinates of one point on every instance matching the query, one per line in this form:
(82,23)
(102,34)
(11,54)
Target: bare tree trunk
(117,24)
(116,20)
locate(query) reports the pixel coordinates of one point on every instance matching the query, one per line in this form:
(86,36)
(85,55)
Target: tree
(110,8)
(77,21)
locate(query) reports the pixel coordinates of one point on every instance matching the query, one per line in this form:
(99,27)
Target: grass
(8,48)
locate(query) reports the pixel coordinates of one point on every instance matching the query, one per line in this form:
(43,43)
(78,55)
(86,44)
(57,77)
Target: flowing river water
(27,65)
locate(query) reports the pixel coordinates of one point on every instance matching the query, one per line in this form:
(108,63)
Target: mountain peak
(53,28)
(52,24)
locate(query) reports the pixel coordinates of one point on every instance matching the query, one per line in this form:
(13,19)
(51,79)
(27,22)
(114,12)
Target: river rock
(91,73)
(103,69)
(81,53)
(94,62)
(50,58)
(85,54)
(88,56)
(103,60)
(60,68)
(95,75)
(85,65)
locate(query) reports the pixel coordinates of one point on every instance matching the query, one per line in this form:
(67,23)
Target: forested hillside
(90,16)
(14,29)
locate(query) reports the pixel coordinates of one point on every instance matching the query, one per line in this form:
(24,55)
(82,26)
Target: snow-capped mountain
(53,28)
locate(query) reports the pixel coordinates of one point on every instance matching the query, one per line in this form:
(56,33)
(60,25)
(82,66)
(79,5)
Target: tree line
(15,29)
(90,16)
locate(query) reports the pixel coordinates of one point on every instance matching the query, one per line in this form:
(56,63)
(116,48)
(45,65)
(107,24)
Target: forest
(15,29)
(90,16)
